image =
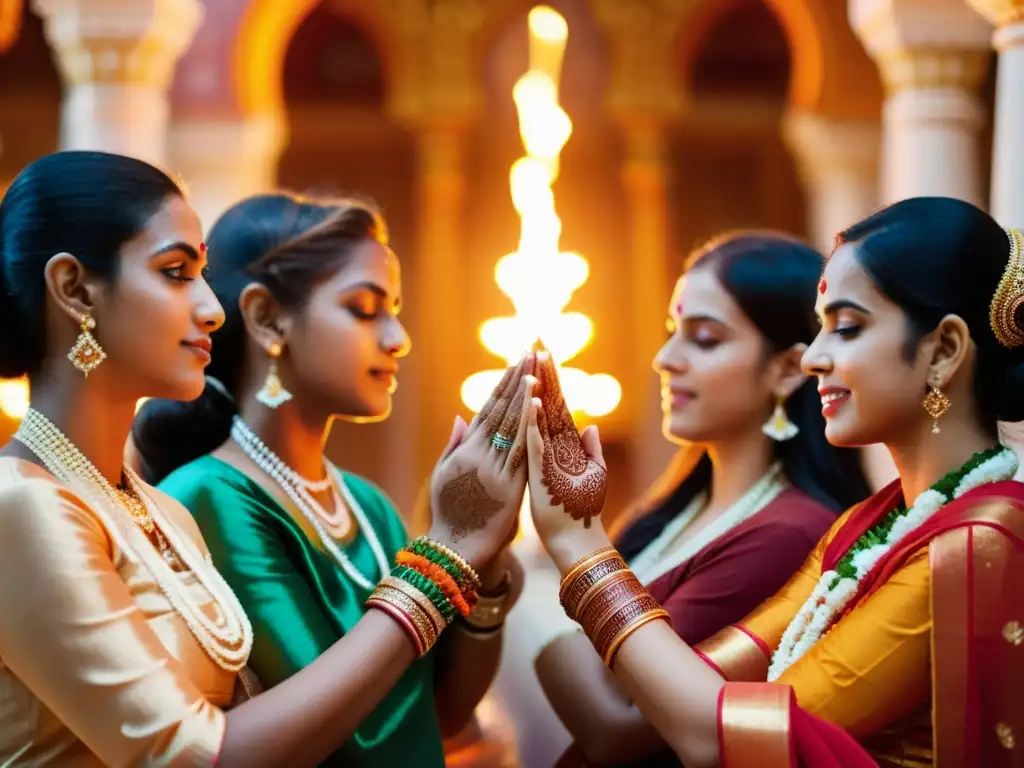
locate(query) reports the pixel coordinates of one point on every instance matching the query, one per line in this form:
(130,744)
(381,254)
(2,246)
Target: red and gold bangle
(426,627)
(584,582)
(581,566)
(418,623)
(646,617)
(403,620)
(441,577)
(420,599)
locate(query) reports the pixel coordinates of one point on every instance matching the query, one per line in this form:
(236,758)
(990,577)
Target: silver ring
(501,443)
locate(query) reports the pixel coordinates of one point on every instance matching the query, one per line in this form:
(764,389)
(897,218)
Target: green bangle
(428,588)
(423,549)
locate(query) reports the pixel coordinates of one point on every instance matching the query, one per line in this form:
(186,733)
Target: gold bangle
(582,565)
(646,617)
(573,591)
(422,600)
(605,582)
(608,603)
(408,606)
(489,612)
(480,634)
(401,618)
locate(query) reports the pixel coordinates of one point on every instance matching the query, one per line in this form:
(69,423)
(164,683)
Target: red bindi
(822,285)
(202,247)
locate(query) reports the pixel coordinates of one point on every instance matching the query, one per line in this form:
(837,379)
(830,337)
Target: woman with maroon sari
(744,502)
(899,641)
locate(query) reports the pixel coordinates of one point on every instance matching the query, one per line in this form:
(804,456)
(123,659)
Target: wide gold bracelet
(624,623)
(582,565)
(607,603)
(604,583)
(489,612)
(585,581)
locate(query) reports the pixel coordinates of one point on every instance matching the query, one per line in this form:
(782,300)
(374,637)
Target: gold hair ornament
(1009,295)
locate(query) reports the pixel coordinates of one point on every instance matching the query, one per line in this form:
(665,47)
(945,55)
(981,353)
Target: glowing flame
(538,278)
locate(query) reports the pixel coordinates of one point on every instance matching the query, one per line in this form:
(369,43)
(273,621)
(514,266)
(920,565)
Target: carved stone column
(838,161)
(437,93)
(117,58)
(646,100)
(222,161)
(1008,155)
(932,55)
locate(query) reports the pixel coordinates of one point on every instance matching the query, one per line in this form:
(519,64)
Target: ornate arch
(265,31)
(831,74)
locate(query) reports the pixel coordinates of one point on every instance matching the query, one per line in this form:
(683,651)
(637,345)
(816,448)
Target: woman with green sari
(312,294)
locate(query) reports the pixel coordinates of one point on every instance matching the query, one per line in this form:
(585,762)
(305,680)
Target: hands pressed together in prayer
(524,435)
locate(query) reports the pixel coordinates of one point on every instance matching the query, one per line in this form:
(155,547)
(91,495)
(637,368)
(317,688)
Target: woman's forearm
(676,691)
(607,728)
(301,721)
(468,664)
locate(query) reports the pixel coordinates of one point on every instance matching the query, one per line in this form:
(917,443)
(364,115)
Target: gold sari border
(754,725)
(736,654)
(971,563)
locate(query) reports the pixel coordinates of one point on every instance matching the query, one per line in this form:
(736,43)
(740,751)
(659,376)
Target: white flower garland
(833,593)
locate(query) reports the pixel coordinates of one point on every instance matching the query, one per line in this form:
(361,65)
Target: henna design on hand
(572,478)
(466,506)
(510,428)
(493,411)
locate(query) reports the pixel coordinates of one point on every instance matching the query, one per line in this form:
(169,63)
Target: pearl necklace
(295,487)
(227,641)
(662,554)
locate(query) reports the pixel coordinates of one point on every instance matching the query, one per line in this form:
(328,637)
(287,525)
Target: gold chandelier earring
(87,354)
(273,394)
(936,404)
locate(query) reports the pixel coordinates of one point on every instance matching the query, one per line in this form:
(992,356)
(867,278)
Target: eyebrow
(694,319)
(373,288)
(835,306)
(178,245)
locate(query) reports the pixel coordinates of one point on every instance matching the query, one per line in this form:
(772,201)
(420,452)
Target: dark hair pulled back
(772,276)
(290,245)
(87,204)
(938,256)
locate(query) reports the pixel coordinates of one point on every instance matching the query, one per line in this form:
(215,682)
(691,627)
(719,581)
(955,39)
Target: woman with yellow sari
(898,641)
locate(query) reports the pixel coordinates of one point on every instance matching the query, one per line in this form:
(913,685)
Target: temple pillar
(437,92)
(645,99)
(223,161)
(117,59)
(932,55)
(1007,204)
(837,160)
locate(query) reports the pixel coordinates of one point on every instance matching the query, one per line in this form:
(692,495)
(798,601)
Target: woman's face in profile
(713,366)
(345,346)
(156,321)
(871,388)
